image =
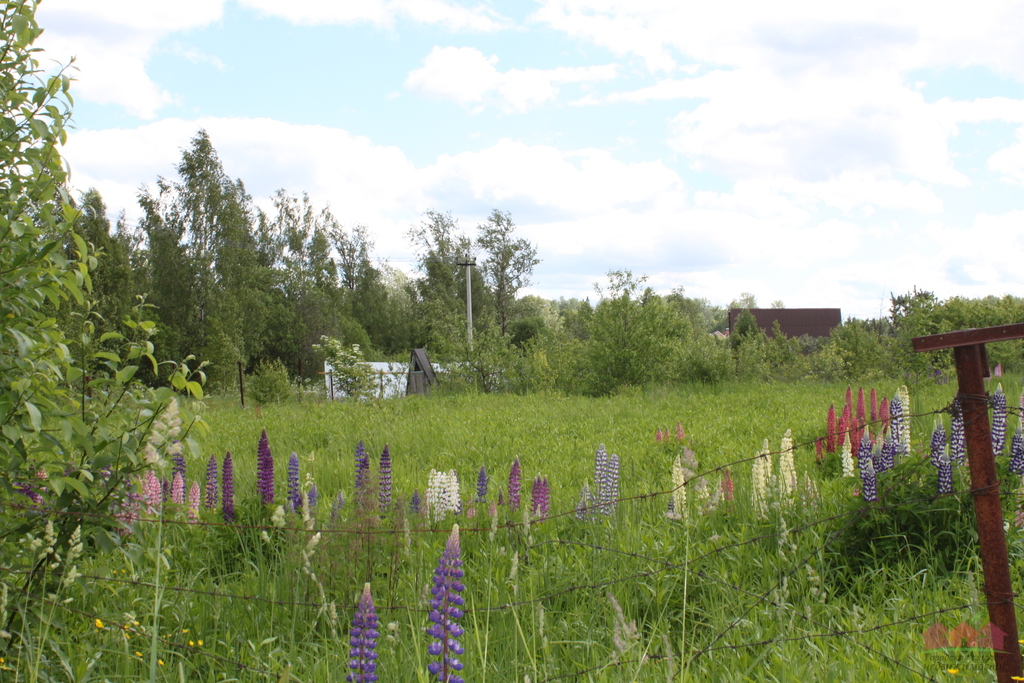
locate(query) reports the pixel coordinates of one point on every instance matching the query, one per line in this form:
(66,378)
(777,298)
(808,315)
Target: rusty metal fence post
(971,369)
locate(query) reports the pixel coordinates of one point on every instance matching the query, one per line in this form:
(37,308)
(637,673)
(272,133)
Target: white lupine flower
(904,395)
(679,488)
(847,457)
(760,479)
(787,470)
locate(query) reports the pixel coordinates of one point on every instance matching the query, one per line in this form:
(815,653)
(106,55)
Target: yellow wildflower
(99,624)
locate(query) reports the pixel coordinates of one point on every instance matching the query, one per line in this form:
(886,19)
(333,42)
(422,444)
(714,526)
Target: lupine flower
(830,443)
(727,486)
(819,449)
(888,455)
(414,502)
(847,457)
(312,497)
(339,503)
(210,501)
(515,482)
(384,485)
(265,470)
(883,415)
(443,494)
(193,502)
(904,441)
(849,398)
(481,484)
(680,434)
(540,503)
(610,484)
(897,423)
(869,485)
(363,641)
(760,476)
(658,436)
(787,468)
(998,420)
(362,468)
(810,491)
(178,489)
(445,611)
(861,416)
(945,478)
(874,405)
(583,511)
(938,443)
(678,497)
(957,444)
(178,457)
(1017,452)
(152,493)
(294,493)
(228,489)
(846,423)
(600,469)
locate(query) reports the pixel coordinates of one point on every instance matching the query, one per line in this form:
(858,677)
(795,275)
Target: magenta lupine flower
(362,469)
(727,486)
(414,502)
(998,421)
(515,482)
(152,493)
(193,502)
(938,444)
(178,489)
(537,497)
(957,443)
(228,489)
(265,470)
(294,493)
(874,405)
(869,484)
(831,429)
(385,479)
(1017,452)
(362,641)
(481,484)
(210,501)
(445,611)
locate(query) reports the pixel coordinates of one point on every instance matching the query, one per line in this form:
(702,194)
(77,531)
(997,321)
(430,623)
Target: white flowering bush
(352,377)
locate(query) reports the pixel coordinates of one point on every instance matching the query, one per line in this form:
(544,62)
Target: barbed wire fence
(839,523)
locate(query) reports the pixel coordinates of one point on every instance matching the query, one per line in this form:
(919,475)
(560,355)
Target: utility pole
(468,261)
(971,369)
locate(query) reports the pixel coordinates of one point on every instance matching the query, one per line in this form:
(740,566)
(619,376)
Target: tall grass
(722,595)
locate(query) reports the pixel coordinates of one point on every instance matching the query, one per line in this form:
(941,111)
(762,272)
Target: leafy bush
(352,377)
(269,383)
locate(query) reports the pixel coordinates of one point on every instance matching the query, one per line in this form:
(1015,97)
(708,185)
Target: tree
(508,265)
(69,444)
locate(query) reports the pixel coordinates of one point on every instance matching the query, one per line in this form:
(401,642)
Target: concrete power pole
(468,261)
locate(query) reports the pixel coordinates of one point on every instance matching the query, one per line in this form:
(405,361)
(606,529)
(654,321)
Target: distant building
(793,322)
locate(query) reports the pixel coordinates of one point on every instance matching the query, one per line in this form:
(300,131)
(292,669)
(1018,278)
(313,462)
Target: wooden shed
(793,322)
(421,373)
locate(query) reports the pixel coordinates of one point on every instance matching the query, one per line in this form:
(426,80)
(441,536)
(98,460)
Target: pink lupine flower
(178,489)
(152,493)
(680,434)
(658,436)
(727,486)
(193,502)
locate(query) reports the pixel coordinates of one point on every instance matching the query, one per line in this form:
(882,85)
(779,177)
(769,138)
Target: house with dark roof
(793,322)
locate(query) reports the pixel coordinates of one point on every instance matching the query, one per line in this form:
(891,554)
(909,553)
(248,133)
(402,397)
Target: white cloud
(112,40)
(450,15)
(465,75)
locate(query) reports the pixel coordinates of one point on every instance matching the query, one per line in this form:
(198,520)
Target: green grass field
(724,594)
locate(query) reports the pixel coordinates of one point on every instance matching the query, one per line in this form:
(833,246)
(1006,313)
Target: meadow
(822,586)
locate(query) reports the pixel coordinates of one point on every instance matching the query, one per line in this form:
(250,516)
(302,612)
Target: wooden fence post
(241,385)
(971,369)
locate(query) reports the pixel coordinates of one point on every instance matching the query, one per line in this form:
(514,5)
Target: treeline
(230,283)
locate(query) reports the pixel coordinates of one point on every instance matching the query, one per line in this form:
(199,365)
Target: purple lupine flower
(537,496)
(193,502)
(600,471)
(888,454)
(228,489)
(998,421)
(938,444)
(957,443)
(178,489)
(294,493)
(363,641)
(362,468)
(481,484)
(339,503)
(445,611)
(179,460)
(501,497)
(545,500)
(515,481)
(265,470)
(1017,452)
(945,475)
(313,497)
(210,501)
(414,502)
(869,484)
(27,490)
(385,478)
(610,494)
(897,423)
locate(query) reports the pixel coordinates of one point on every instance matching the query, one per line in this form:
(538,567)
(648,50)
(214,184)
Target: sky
(821,154)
